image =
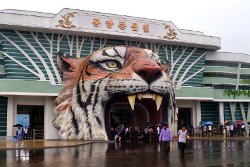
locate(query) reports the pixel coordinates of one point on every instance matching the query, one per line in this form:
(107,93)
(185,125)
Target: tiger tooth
(153,96)
(131,100)
(158,100)
(139,96)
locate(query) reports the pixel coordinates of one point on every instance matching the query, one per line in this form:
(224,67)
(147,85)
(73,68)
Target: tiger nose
(149,72)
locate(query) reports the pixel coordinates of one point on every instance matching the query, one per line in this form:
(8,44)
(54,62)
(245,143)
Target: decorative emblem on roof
(170,33)
(66,21)
(134,26)
(96,22)
(145,27)
(122,25)
(109,23)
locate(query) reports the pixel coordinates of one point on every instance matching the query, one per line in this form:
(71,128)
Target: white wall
(221,111)
(50,132)
(198,113)
(10,116)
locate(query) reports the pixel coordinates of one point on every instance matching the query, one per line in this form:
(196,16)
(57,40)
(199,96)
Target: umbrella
(208,123)
(239,122)
(18,125)
(229,122)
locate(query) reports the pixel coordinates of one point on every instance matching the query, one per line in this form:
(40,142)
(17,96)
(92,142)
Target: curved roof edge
(228,56)
(105,24)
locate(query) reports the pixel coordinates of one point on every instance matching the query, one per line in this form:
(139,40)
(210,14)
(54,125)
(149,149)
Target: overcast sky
(227,19)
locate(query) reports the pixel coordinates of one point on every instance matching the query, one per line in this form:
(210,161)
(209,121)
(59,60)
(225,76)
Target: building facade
(210,85)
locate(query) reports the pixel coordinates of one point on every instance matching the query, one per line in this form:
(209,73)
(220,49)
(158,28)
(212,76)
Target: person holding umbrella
(209,124)
(18,131)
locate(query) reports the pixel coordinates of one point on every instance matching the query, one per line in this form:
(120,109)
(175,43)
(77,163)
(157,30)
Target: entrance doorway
(184,117)
(121,113)
(33,118)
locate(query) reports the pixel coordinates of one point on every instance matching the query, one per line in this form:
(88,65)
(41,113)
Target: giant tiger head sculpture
(92,84)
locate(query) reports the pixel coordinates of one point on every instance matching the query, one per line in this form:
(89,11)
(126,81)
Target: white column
(193,114)
(198,112)
(11,116)
(221,111)
(50,132)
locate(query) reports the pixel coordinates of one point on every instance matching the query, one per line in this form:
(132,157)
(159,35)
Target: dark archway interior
(184,117)
(121,113)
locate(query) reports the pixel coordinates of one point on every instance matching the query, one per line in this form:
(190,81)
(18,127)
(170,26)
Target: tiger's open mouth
(154,106)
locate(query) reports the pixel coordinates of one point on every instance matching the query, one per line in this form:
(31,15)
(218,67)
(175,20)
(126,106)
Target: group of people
(230,130)
(207,130)
(132,134)
(21,133)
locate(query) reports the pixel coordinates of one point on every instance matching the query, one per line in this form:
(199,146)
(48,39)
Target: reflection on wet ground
(198,153)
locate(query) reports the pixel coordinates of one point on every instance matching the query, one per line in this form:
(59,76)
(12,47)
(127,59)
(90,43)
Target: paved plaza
(200,152)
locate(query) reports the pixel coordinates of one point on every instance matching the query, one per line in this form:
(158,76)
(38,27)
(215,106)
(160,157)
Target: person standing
(19,133)
(205,130)
(151,133)
(25,131)
(232,130)
(182,139)
(242,129)
(224,131)
(210,130)
(165,137)
(228,130)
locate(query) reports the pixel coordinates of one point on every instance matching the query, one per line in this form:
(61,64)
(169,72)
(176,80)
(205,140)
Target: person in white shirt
(232,130)
(210,130)
(25,130)
(228,130)
(242,129)
(182,139)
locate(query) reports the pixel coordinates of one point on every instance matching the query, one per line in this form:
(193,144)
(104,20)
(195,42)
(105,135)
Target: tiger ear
(70,67)
(64,61)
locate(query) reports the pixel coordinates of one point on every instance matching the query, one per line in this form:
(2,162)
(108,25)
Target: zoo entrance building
(210,85)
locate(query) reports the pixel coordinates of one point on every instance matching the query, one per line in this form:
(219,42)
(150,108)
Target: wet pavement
(210,153)
(39,144)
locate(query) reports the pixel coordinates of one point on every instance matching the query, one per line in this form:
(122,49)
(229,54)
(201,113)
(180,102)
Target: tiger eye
(111,64)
